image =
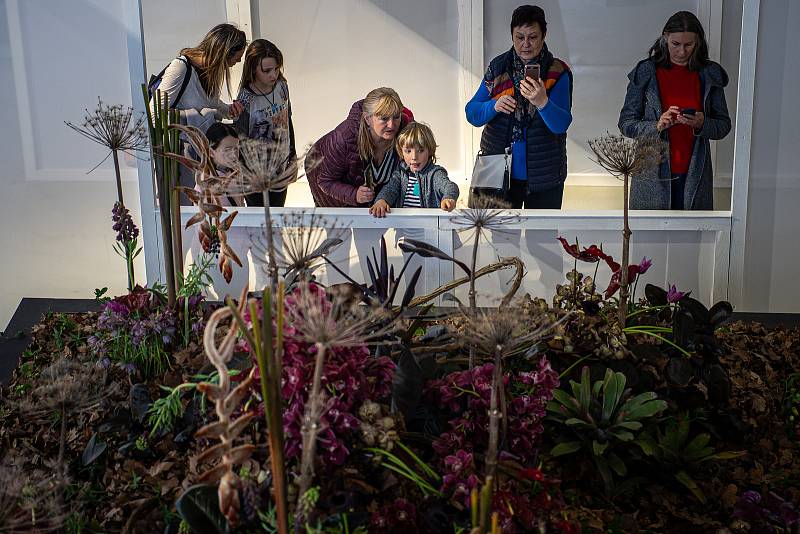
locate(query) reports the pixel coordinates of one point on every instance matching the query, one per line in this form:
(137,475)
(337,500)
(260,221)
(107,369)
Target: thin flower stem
(665,340)
(310,430)
(648,309)
(571,367)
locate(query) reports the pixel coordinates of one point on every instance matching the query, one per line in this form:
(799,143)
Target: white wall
(336,51)
(56,58)
(772,253)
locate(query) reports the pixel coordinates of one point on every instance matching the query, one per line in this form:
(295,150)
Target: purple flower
(673,295)
(123,224)
(644,265)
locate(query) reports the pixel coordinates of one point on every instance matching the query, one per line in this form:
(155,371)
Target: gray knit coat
(639,115)
(434,186)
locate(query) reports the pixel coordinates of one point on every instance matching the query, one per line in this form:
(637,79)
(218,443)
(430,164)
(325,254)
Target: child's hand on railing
(380,208)
(448,204)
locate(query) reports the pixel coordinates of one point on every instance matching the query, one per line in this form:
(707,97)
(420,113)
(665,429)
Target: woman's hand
(534,92)
(505,104)
(667,118)
(364,194)
(235,109)
(380,208)
(695,121)
(448,204)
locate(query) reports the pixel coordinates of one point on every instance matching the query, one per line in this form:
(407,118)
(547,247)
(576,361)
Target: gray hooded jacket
(639,115)
(434,186)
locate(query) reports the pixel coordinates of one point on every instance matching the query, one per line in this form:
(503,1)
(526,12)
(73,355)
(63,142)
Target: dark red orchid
(589,255)
(633,271)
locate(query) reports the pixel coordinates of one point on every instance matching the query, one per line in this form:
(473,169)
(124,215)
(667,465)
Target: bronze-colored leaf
(213,453)
(226,249)
(225,268)
(213,474)
(211,430)
(196,218)
(240,424)
(235,397)
(241,453)
(212,391)
(212,209)
(190,192)
(225,224)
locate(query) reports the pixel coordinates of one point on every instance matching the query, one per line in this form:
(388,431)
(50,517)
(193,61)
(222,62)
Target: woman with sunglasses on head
(678,94)
(267,110)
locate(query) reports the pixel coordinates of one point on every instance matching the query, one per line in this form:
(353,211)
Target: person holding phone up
(678,94)
(525,103)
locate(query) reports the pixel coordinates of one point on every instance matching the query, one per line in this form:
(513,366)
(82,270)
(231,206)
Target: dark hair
(528,16)
(258,50)
(219,131)
(682,21)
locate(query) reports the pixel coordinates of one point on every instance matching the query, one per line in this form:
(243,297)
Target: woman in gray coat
(677,93)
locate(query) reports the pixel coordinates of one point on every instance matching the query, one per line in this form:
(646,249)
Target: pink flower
(673,295)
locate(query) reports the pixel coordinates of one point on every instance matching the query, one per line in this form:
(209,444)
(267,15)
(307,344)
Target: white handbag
(491,174)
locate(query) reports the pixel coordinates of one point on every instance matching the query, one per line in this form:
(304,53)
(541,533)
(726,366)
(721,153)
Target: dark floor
(16,338)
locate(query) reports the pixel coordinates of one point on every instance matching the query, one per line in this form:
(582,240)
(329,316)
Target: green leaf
(199,507)
(617,464)
(630,425)
(585,396)
(570,403)
(727,455)
(599,448)
(575,422)
(613,388)
(622,435)
(648,445)
(568,447)
(648,409)
(684,478)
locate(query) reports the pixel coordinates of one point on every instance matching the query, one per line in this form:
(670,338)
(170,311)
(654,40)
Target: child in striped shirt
(419,182)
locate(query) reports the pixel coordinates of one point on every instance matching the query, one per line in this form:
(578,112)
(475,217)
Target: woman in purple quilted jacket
(349,165)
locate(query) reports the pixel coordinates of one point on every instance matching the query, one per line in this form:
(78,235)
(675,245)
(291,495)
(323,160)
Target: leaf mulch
(131,485)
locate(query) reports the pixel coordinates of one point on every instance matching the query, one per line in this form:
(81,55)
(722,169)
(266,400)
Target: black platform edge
(770,320)
(17,335)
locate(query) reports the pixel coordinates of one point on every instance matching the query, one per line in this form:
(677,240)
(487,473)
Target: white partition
(689,250)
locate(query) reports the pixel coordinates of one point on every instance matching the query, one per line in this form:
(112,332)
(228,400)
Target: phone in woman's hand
(688,112)
(533,71)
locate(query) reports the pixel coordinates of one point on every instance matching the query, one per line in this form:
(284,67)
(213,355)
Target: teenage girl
(267,111)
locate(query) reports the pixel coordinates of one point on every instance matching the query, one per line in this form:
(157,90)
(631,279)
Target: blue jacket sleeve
(557,113)
(480,110)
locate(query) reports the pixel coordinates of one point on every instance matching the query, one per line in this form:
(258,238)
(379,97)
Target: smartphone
(688,111)
(533,71)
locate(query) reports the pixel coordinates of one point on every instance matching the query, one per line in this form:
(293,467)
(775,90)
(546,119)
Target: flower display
(465,396)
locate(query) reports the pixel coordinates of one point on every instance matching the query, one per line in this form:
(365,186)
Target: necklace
(266,95)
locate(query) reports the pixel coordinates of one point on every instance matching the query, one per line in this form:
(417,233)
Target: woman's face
(681,46)
(235,58)
(227,152)
(383,127)
(267,73)
(528,41)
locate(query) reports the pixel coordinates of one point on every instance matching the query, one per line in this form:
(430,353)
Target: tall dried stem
(624,158)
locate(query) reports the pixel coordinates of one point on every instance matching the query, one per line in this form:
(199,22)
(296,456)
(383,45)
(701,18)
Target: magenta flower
(644,265)
(673,295)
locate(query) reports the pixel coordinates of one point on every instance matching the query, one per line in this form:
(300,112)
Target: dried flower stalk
(339,322)
(624,157)
(30,501)
(487,215)
(226,402)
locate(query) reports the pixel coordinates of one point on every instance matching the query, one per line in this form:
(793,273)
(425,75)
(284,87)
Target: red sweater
(679,87)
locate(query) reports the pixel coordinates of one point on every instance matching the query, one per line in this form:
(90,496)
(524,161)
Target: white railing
(689,249)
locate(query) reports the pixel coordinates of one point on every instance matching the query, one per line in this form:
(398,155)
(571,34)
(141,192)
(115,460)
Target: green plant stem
(494,417)
(648,309)
(653,334)
(273,266)
(571,367)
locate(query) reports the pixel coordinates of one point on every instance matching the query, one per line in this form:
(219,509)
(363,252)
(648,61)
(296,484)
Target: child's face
(267,73)
(227,152)
(416,157)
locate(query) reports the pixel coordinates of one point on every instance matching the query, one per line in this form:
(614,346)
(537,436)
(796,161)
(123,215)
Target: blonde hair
(384,102)
(417,135)
(258,50)
(211,56)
